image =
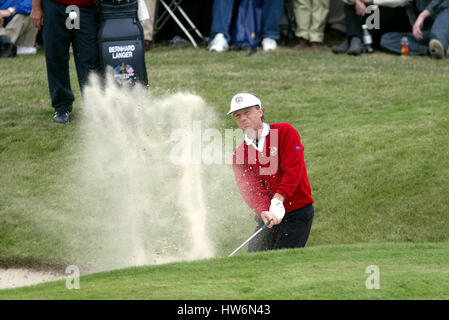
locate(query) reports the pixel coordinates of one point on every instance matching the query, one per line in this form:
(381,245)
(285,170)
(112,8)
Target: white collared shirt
(259,146)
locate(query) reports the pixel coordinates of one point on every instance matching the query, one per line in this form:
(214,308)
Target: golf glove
(277,208)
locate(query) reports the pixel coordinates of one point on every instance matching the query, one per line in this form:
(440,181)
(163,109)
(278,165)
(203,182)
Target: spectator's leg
(320,10)
(15,27)
(353,23)
(440,28)
(148,25)
(303,16)
(85,45)
(271,15)
(221,18)
(336,16)
(353,43)
(57,40)
(391,41)
(28,34)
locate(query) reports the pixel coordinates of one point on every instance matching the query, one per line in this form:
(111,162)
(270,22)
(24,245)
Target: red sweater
(279,168)
(80,3)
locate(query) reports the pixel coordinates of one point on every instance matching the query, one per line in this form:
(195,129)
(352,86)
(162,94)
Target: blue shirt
(22,6)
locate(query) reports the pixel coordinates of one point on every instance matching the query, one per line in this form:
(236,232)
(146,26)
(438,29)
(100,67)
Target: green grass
(406,271)
(375,130)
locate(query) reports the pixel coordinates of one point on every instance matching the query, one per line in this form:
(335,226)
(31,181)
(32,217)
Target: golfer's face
(249,118)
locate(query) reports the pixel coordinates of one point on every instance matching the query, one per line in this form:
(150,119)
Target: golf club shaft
(256,233)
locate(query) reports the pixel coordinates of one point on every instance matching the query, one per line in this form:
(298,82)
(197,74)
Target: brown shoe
(301,45)
(316,45)
(147,45)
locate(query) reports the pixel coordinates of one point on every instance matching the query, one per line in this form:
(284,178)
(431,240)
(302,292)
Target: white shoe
(219,43)
(23,51)
(436,49)
(269,44)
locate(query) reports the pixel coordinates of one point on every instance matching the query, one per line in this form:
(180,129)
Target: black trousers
(57,39)
(292,232)
(390,19)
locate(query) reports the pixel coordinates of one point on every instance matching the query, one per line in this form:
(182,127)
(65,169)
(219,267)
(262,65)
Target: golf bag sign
(121,42)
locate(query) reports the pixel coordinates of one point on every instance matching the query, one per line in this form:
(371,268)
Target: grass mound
(406,271)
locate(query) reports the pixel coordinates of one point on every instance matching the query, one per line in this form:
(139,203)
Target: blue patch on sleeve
(298,148)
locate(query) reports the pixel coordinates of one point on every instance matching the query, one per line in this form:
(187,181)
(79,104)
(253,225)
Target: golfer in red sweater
(271,175)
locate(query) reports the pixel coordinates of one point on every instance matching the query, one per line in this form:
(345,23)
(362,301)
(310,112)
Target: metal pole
(190,22)
(179,23)
(255,234)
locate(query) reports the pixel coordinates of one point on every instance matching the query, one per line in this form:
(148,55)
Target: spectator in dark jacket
(392,16)
(430,30)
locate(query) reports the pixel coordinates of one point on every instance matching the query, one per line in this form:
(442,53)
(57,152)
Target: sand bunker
(14,277)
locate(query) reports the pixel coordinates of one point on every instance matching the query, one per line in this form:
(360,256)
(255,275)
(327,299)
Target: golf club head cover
(277,208)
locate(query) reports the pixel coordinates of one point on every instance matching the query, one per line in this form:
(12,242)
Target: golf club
(256,233)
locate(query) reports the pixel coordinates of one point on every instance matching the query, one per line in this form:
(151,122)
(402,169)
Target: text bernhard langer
(120,52)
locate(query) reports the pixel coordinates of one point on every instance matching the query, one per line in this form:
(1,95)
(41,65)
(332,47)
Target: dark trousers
(292,232)
(57,39)
(390,19)
(222,14)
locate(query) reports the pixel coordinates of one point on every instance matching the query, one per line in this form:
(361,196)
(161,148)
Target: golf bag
(121,41)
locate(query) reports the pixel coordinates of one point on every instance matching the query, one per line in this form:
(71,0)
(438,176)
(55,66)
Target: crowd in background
(17,29)
(425,23)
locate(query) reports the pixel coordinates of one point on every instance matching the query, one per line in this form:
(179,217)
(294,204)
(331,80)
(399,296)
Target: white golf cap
(244,100)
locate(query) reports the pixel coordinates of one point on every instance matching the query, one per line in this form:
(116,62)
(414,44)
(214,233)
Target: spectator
(336,17)
(148,24)
(51,16)
(17,25)
(430,32)
(392,15)
(310,22)
(221,20)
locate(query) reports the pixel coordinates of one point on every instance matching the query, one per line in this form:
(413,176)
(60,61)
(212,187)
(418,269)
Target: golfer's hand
(267,216)
(37,16)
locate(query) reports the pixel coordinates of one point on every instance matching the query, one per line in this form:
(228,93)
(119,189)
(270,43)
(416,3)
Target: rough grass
(406,271)
(375,130)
